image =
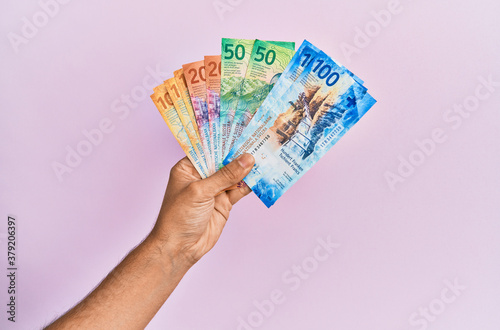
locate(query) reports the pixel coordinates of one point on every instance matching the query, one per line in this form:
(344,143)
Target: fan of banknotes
(285,107)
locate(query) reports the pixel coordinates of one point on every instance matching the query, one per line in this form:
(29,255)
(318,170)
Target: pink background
(396,247)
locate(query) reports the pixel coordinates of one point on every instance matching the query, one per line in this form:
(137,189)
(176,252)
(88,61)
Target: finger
(236,194)
(234,186)
(229,175)
(181,174)
(183,167)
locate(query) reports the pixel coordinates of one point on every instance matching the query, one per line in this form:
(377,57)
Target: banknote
(304,56)
(180,79)
(212,75)
(234,63)
(235,59)
(267,62)
(307,120)
(194,74)
(167,110)
(187,119)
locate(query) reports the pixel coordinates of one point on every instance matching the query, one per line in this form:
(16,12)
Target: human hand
(194,211)
(191,219)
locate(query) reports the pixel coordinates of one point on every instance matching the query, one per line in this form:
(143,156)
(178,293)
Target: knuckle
(173,170)
(176,168)
(195,189)
(224,209)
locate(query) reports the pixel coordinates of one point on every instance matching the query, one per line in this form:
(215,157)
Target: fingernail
(246,160)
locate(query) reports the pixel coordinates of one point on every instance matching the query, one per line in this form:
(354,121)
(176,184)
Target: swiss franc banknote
(212,75)
(194,74)
(188,120)
(180,80)
(236,55)
(234,62)
(317,109)
(267,63)
(304,57)
(165,106)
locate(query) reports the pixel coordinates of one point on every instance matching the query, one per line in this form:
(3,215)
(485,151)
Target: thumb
(230,174)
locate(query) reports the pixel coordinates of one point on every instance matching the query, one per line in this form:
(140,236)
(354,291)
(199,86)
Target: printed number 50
(239,52)
(270,55)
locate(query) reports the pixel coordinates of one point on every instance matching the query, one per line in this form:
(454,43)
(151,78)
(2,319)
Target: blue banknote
(304,57)
(315,104)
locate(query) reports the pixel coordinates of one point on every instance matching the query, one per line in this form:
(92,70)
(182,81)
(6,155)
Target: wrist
(168,252)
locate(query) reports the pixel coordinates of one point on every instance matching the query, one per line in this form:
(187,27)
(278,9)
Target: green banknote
(235,57)
(236,54)
(267,62)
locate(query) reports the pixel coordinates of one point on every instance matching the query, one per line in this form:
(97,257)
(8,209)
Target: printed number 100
(325,71)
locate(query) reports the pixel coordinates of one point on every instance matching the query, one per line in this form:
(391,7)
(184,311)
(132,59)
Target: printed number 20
(213,69)
(200,72)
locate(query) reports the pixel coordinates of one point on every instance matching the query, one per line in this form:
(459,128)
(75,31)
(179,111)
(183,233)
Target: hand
(191,219)
(194,211)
